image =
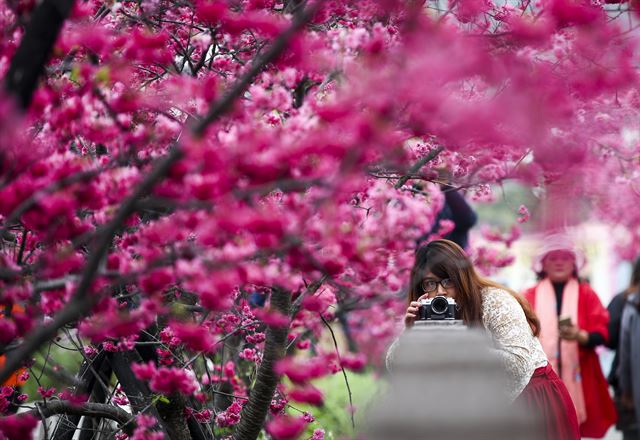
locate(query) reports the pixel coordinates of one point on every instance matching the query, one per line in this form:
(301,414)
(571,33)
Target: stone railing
(446,382)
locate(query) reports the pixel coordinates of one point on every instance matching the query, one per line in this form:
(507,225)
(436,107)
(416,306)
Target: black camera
(439,307)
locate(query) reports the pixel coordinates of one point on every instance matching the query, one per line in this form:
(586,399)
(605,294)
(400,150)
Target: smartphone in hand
(564,321)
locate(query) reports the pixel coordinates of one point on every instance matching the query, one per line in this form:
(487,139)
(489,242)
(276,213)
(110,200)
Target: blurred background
(606,270)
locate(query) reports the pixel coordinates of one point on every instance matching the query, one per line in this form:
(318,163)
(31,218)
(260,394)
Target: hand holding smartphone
(564,321)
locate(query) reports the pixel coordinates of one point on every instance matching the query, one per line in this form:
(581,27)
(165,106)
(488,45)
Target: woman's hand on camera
(412,312)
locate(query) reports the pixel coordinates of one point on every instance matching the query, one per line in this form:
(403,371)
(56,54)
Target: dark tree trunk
(255,410)
(172,414)
(137,392)
(100,395)
(291,6)
(229,353)
(35,48)
(67,425)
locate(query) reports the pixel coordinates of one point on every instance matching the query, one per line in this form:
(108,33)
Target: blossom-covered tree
(191,192)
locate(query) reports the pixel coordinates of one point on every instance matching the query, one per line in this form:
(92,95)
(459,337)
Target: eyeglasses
(429,286)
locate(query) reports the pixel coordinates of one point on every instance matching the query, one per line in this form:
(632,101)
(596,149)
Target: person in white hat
(573,322)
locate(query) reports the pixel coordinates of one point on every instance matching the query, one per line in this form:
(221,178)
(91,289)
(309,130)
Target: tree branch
(100,410)
(27,65)
(416,167)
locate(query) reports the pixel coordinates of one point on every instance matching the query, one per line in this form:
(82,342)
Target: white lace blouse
(507,324)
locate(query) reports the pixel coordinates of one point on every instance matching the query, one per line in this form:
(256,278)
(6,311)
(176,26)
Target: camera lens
(439,305)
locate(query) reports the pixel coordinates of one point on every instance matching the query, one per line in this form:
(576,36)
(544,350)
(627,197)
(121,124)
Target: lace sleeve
(390,357)
(506,322)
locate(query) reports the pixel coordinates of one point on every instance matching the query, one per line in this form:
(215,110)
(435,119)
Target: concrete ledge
(448,384)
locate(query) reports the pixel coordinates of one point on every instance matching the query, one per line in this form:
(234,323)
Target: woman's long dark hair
(445,259)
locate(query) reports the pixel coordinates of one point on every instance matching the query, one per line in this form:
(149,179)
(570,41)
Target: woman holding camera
(442,268)
(573,323)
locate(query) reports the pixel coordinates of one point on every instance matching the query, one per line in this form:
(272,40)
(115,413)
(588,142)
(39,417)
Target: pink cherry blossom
(46,392)
(301,371)
(166,380)
(194,337)
(284,427)
(17,426)
(353,361)
(307,394)
(524,214)
(230,416)
(143,431)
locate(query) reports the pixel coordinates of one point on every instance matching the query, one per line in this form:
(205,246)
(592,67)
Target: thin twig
(45,428)
(23,244)
(344,373)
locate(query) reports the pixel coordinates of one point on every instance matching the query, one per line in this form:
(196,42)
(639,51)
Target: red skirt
(547,397)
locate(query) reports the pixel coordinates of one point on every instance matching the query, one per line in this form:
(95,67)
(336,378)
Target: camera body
(437,308)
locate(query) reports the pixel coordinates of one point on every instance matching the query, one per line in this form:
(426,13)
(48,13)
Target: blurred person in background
(442,268)
(629,368)
(627,421)
(573,322)
(455,209)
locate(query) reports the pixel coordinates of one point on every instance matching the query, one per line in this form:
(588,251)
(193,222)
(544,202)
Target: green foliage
(52,368)
(161,398)
(504,210)
(335,417)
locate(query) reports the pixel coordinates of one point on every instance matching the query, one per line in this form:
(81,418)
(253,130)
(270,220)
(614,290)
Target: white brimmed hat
(557,242)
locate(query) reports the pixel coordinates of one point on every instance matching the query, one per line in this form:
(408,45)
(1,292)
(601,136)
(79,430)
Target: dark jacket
(629,368)
(460,213)
(615,308)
